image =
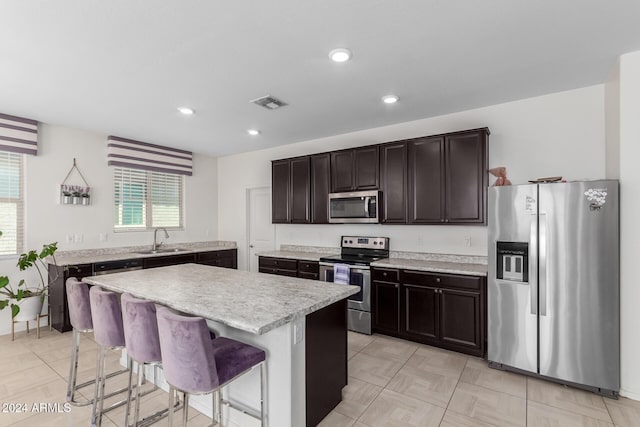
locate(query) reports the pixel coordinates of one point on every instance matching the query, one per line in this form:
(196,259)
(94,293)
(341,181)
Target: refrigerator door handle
(533,264)
(542,250)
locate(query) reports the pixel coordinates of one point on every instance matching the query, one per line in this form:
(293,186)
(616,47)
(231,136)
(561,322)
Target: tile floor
(391,383)
(398,383)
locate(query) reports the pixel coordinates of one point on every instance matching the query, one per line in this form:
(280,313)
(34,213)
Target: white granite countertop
(433,266)
(252,302)
(90,256)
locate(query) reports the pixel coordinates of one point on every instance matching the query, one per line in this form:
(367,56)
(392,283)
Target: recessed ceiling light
(340,55)
(390,99)
(186,110)
(253,132)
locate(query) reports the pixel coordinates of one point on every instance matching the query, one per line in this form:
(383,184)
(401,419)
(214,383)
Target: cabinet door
(280,179)
(460,318)
(393,175)
(366,168)
(342,171)
(426,193)
(386,307)
(421,312)
(466,177)
(320,188)
(300,190)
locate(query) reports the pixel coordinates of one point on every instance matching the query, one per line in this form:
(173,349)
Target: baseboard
(630,395)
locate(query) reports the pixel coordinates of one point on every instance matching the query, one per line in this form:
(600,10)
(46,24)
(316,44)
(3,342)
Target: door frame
(248,207)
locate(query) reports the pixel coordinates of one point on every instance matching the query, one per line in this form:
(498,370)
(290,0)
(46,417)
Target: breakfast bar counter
(300,323)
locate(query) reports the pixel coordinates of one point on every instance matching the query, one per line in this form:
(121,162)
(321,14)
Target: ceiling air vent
(269,102)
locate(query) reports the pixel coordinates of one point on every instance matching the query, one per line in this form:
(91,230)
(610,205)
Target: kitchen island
(300,323)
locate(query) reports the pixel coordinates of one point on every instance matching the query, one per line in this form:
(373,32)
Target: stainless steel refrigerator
(553,284)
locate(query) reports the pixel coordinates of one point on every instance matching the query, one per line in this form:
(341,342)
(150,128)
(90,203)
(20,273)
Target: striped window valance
(18,135)
(128,153)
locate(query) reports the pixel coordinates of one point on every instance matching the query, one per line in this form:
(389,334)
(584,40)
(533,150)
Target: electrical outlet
(298,333)
(77,238)
(69,238)
(467,242)
(420,241)
(103,237)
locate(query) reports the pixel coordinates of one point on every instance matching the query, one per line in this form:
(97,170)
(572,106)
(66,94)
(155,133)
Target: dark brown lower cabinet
(443,310)
(325,360)
(289,267)
(227,258)
(58,307)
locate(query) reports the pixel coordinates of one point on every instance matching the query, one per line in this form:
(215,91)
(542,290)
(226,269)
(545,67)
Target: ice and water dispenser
(513,261)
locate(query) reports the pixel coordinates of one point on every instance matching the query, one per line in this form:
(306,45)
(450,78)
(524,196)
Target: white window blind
(11,203)
(146,200)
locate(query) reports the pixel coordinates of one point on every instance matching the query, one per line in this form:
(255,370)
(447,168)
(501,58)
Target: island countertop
(252,302)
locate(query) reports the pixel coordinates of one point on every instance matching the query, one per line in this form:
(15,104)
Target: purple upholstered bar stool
(194,363)
(109,335)
(81,321)
(143,347)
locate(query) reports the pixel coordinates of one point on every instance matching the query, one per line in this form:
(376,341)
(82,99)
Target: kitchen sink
(161,251)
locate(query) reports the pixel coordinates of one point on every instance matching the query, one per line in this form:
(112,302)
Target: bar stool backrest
(107,318)
(188,360)
(140,329)
(79,305)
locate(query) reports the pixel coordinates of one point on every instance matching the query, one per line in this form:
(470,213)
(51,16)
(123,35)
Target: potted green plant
(66,197)
(25,301)
(76,198)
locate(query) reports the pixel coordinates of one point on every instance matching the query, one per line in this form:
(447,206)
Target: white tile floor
(391,383)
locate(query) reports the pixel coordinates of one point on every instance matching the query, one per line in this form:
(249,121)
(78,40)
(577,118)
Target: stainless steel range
(352,267)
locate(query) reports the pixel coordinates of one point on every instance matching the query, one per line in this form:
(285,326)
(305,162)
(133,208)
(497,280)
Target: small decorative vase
(77,200)
(66,200)
(30,307)
(85,200)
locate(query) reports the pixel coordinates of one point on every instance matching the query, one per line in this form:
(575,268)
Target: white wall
(629,149)
(557,134)
(47,220)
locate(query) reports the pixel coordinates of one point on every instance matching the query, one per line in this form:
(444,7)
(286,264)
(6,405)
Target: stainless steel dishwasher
(109,267)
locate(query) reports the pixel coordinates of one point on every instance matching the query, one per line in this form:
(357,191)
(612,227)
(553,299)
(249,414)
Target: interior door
(260,230)
(512,304)
(579,296)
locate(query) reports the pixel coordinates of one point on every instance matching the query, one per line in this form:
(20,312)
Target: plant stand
(38,317)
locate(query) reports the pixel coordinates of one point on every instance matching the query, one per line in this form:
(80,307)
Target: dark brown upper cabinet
(280,190)
(301,190)
(393,177)
(466,176)
(439,179)
(290,191)
(354,169)
(447,178)
(320,186)
(426,185)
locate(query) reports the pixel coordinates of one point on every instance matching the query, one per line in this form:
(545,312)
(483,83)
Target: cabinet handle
(396,286)
(384,274)
(446,220)
(438,279)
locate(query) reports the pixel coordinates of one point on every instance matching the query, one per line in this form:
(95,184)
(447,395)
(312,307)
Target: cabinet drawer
(437,280)
(308,275)
(287,264)
(214,255)
(308,267)
(385,274)
(79,271)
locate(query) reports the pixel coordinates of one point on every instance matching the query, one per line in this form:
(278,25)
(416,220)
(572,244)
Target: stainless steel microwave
(356,207)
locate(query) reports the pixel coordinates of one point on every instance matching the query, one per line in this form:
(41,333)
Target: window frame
(20,205)
(148,201)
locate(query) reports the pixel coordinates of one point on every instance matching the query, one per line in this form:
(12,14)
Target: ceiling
(122,67)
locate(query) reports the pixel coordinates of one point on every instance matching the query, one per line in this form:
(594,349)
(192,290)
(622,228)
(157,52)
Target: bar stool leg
(73,369)
(263,383)
(129,392)
(138,395)
(185,409)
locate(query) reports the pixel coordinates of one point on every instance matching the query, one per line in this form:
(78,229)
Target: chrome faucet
(155,234)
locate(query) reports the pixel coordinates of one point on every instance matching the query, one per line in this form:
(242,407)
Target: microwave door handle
(367,200)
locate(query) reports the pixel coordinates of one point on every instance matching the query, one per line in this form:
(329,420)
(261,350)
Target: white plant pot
(77,200)
(30,307)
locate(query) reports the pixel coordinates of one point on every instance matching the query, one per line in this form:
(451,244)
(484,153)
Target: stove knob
(350,241)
